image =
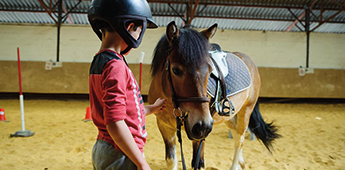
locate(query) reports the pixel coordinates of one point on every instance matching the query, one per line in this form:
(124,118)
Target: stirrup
(226,109)
(220,104)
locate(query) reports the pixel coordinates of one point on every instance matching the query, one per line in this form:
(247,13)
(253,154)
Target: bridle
(182,116)
(176,100)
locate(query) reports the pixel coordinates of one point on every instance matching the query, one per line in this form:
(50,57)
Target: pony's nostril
(197,129)
(201,130)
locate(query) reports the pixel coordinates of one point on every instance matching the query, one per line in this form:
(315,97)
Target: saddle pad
(237,80)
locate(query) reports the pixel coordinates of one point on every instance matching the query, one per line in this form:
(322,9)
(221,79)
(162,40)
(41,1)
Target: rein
(182,116)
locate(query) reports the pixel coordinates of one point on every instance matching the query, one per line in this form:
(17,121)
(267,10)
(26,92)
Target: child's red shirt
(115,95)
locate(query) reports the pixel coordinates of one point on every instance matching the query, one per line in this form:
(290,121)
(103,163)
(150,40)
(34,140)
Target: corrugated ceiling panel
(164,21)
(334,4)
(326,14)
(79,19)
(331,28)
(262,25)
(20,4)
(25,17)
(228,17)
(232,12)
(43,18)
(82,7)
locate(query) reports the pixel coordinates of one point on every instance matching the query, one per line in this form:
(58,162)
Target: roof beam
(39,11)
(66,14)
(49,11)
(300,17)
(193,11)
(326,20)
(198,15)
(237,17)
(177,13)
(295,22)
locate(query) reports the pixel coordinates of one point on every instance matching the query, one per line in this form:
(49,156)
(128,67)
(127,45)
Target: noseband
(175,99)
(181,118)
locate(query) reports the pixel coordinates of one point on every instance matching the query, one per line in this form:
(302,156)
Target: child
(117,105)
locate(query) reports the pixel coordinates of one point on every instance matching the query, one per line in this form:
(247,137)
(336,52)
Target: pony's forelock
(191,45)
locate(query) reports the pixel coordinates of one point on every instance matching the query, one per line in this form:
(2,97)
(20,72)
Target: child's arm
(157,106)
(123,138)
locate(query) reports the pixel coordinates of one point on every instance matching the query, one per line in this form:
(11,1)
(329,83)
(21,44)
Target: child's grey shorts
(106,157)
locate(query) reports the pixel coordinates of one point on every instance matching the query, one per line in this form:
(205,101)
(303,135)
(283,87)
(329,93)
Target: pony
(180,69)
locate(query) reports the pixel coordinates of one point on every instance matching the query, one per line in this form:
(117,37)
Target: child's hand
(159,105)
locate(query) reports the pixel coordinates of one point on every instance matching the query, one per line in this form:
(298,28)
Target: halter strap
(194,99)
(174,96)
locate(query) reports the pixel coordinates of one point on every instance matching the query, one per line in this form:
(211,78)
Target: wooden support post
(58,30)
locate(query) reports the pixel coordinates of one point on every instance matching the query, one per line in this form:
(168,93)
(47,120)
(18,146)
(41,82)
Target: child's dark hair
(137,24)
(105,27)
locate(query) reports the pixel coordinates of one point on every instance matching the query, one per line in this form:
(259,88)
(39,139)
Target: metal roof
(273,15)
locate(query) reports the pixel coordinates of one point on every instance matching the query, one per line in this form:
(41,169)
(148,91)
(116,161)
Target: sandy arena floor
(313,139)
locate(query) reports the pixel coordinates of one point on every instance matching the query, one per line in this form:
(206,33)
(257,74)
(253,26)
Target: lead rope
(179,120)
(178,133)
(198,155)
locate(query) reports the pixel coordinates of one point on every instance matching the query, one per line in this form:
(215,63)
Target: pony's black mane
(191,45)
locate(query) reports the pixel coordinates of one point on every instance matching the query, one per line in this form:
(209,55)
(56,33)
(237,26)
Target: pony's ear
(209,33)
(172,32)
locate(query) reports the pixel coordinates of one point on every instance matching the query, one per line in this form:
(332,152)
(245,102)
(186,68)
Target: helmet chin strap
(126,35)
(126,50)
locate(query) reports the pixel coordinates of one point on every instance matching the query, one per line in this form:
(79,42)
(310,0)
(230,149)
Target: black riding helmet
(119,12)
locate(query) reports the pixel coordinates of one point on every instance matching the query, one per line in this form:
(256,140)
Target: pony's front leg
(195,154)
(170,154)
(169,138)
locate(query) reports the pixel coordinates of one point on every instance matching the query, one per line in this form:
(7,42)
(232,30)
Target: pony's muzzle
(201,130)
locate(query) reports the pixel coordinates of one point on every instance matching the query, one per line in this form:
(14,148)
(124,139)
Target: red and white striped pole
(21,98)
(23,132)
(141,68)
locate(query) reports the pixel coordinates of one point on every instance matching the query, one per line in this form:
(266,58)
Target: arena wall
(277,54)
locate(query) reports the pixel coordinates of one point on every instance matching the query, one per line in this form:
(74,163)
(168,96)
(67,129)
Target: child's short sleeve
(114,84)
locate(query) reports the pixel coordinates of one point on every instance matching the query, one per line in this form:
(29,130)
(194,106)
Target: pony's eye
(177,71)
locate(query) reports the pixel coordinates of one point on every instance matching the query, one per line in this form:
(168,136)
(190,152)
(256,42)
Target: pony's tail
(266,132)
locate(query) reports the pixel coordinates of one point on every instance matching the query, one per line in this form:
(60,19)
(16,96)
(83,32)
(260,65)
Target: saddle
(229,76)
(219,60)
